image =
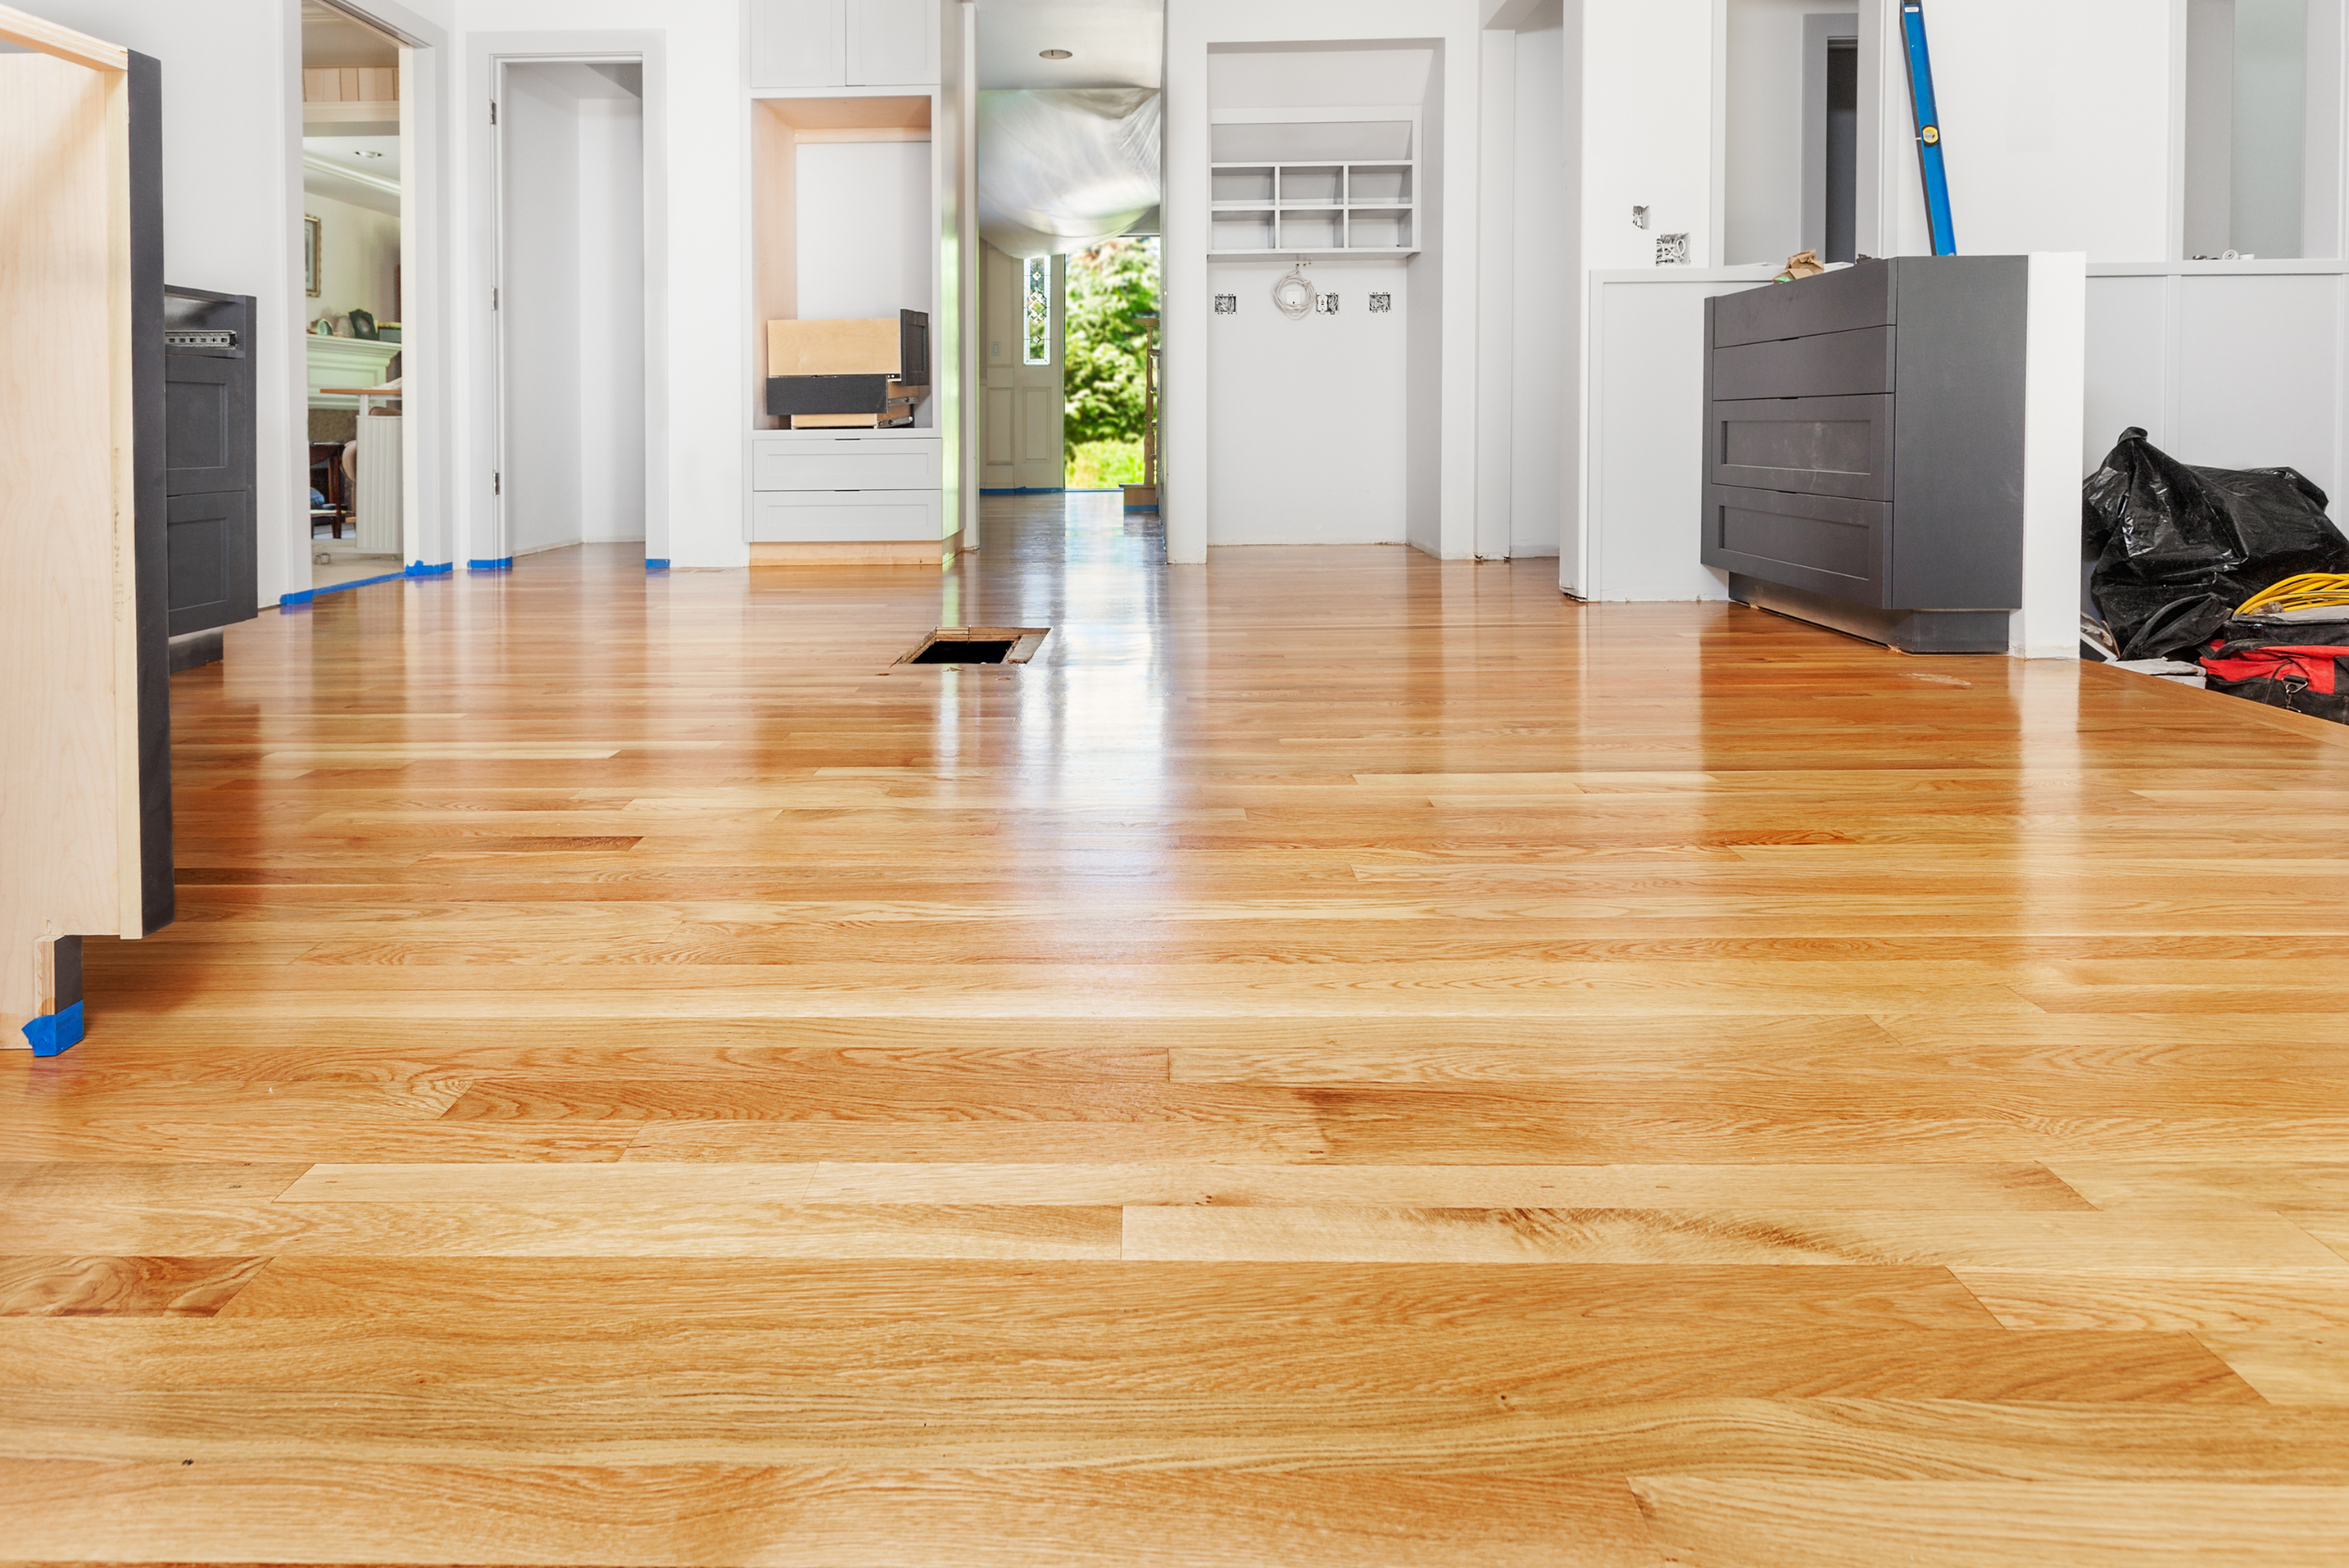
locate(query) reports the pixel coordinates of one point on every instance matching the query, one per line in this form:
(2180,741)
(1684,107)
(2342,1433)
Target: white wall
(2057,127)
(1763,130)
(2210,137)
(1647,90)
(573,312)
(1542,293)
(358,252)
(2271,77)
(1307,420)
(698,358)
(865,238)
(232,210)
(611,295)
(1450,388)
(2224,364)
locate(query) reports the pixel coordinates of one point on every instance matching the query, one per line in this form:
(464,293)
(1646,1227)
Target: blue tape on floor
(656,563)
(503,563)
(54,1034)
(293,601)
(418,568)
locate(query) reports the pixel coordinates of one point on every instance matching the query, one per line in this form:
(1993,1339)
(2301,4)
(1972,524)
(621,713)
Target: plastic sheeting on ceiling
(1061,168)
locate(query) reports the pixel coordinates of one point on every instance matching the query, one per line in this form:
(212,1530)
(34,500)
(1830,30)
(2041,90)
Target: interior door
(1024,308)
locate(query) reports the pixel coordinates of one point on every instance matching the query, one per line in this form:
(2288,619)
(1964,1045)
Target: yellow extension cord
(2311,590)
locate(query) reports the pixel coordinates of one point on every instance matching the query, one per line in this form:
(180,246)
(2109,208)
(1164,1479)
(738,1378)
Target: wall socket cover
(1325,304)
(1672,249)
(1380,303)
(1226,305)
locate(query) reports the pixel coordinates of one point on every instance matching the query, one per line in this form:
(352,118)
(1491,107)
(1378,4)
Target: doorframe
(428,337)
(481,535)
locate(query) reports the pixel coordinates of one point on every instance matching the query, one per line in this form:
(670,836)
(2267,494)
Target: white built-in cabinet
(847,209)
(843,43)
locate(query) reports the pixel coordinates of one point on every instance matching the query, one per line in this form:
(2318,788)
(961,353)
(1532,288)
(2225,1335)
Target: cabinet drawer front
(1829,364)
(848,465)
(1819,446)
(1834,302)
(1823,543)
(785,517)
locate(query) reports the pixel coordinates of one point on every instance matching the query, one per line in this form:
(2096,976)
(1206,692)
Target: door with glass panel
(1023,310)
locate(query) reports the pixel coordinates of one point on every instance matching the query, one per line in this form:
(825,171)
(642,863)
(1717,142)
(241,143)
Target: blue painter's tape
(418,568)
(54,1034)
(294,601)
(656,563)
(503,563)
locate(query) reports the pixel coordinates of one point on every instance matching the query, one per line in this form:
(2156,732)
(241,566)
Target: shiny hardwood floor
(1343,1060)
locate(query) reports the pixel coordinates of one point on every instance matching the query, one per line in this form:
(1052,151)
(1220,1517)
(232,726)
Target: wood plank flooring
(1344,1062)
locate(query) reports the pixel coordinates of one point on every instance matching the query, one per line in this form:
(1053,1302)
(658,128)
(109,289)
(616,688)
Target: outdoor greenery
(1110,287)
(1103,465)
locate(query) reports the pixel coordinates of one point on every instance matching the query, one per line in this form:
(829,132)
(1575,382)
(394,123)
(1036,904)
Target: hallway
(1345,1060)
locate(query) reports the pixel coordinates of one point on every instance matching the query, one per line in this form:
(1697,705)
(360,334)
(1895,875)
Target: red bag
(2295,665)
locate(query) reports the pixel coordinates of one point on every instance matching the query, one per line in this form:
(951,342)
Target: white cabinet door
(797,43)
(892,43)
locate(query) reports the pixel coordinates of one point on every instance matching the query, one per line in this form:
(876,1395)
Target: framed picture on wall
(313,265)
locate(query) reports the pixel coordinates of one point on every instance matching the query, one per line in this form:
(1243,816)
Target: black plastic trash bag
(2176,549)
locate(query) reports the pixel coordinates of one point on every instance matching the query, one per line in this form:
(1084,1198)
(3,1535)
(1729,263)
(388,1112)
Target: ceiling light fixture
(1055,55)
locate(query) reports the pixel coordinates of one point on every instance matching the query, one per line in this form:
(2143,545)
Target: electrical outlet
(1672,249)
(1226,305)
(1639,217)
(1325,304)
(1381,303)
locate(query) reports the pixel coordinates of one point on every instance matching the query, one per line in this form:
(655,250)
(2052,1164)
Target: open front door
(1024,311)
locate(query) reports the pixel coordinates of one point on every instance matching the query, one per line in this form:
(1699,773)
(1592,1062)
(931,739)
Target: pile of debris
(2232,578)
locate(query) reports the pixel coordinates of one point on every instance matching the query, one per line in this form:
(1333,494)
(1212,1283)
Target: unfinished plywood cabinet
(84,784)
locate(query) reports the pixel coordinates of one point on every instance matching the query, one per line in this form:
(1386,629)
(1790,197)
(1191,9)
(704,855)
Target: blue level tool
(1929,127)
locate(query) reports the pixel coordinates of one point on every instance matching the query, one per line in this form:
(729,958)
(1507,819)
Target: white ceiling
(1115,43)
(333,166)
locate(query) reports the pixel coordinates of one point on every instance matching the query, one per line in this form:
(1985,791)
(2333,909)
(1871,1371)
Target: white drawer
(849,465)
(814,517)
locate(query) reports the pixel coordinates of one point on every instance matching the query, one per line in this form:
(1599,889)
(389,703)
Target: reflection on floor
(1343,1059)
(348,567)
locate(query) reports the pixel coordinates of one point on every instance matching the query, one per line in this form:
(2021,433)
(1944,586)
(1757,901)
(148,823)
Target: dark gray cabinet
(208,444)
(1864,449)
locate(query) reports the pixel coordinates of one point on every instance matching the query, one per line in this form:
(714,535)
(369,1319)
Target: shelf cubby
(1244,182)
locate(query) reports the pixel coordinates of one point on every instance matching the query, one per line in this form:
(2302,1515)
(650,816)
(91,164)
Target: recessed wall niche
(843,215)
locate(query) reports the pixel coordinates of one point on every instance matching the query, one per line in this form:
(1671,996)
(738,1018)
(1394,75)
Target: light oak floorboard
(1346,1059)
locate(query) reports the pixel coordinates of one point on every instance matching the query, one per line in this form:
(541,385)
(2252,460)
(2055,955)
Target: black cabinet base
(1911,631)
(194,649)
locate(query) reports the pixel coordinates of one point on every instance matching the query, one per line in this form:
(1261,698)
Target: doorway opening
(570,297)
(357,222)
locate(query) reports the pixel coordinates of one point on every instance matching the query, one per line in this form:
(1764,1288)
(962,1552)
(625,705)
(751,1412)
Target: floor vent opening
(979,645)
(966,651)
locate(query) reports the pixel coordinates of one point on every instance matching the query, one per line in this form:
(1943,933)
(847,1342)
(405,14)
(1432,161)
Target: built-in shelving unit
(1326,182)
(1314,208)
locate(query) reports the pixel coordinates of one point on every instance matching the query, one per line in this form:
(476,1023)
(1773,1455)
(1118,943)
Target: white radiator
(379,484)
